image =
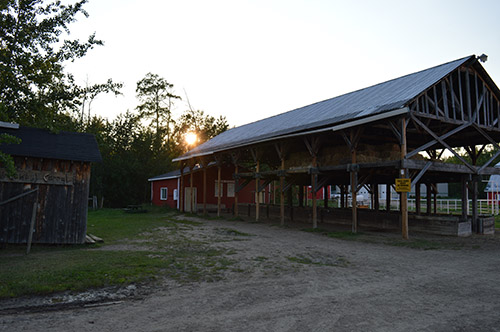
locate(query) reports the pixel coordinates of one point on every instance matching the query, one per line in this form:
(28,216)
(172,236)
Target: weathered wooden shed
(373,136)
(50,189)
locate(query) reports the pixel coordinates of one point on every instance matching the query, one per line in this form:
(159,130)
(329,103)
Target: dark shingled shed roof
(40,143)
(378,99)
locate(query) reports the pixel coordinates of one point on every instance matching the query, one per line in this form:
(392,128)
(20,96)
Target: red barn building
(165,189)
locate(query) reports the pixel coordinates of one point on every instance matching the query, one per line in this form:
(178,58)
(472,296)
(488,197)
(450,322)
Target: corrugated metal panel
(376,99)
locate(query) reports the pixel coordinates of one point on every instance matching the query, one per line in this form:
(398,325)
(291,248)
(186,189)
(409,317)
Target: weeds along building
(51,188)
(372,137)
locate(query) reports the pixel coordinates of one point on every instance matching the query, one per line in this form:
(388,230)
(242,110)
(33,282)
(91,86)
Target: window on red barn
(164,193)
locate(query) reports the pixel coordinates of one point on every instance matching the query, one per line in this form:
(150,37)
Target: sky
(248,60)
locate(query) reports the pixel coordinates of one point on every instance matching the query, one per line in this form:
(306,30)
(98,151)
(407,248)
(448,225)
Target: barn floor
(285,279)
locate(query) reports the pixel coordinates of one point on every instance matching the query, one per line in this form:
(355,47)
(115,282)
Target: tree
(6,160)
(90,92)
(34,88)
(204,126)
(156,97)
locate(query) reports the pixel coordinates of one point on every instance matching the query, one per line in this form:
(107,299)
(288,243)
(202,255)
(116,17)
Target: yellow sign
(403,185)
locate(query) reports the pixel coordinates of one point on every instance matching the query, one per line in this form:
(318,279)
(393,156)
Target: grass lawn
(168,253)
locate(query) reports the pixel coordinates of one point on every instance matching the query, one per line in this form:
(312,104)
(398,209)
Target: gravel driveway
(285,279)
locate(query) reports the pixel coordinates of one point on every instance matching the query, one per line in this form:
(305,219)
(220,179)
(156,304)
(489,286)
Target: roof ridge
(355,91)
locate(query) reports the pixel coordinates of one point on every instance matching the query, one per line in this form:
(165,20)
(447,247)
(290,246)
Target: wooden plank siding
(61,208)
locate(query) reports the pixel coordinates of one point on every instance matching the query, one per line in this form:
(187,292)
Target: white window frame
(163,197)
(230,188)
(217,189)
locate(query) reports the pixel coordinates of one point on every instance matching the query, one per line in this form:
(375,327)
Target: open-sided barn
(50,190)
(398,129)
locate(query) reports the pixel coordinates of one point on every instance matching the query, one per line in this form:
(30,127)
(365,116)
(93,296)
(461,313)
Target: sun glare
(190,138)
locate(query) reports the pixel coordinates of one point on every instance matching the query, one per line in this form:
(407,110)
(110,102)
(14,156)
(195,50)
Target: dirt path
(290,280)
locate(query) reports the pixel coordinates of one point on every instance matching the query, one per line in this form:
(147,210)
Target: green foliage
(34,89)
(455,189)
(156,99)
(205,127)
(128,160)
(5,160)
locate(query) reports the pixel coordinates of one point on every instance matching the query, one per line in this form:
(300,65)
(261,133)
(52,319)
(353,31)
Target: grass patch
(497,221)
(168,253)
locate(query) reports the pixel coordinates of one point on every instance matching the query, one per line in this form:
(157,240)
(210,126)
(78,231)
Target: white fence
(448,206)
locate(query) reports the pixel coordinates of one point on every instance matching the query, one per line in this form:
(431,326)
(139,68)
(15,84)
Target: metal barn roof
(375,100)
(41,143)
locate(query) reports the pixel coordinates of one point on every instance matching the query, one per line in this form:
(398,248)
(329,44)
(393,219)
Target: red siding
(246,195)
(171,184)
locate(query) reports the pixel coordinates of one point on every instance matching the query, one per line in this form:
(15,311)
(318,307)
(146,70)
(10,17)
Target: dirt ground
(285,279)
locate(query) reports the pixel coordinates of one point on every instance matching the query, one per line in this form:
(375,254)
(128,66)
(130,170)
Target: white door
(187,200)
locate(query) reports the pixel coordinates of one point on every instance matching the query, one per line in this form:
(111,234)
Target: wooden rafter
(436,139)
(442,142)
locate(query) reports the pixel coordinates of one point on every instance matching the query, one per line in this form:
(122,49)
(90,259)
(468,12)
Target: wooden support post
(301,196)
(32,224)
(342,196)
(219,188)
(282,193)
(475,226)
(354,185)
(388,197)
(205,189)
(236,183)
(404,174)
(465,199)
(191,191)
(434,198)
(376,200)
(429,198)
(314,181)
(290,201)
(325,197)
(257,193)
(181,190)
(417,198)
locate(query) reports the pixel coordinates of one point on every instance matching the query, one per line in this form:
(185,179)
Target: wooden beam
(417,198)
(468,97)
(421,173)
(191,191)
(388,197)
(313,192)
(219,188)
(441,141)
(435,141)
(181,189)
(445,99)
(354,138)
(239,187)
(429,198)
(236,183)
(404,174)
(257,196)
(282,192)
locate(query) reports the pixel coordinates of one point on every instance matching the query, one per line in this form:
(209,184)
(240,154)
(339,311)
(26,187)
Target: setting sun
(190,138)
